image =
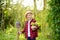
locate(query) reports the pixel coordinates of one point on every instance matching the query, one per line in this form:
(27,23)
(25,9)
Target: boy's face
(29,16)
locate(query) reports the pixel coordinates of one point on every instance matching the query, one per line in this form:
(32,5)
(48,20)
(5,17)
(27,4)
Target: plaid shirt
(33,34)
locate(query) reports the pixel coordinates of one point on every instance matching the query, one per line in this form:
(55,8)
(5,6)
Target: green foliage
(48,20)
(54,18)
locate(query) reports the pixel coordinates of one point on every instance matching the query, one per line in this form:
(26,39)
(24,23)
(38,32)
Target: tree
(54,18)
(35,8)
(1,14)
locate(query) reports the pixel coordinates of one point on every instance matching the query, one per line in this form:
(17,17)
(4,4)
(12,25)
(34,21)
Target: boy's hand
(33,27)
(19,32)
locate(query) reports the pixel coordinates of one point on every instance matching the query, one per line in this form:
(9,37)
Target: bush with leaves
(54,18)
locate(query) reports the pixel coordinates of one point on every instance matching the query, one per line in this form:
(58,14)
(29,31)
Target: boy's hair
(28,12)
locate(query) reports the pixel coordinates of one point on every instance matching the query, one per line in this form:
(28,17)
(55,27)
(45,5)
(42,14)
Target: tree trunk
(44,4)
(2,15)
(35,8)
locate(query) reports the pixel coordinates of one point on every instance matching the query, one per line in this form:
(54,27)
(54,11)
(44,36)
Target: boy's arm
(37,27)
(23,30)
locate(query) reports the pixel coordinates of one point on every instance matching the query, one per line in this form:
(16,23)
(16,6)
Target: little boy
(30,30)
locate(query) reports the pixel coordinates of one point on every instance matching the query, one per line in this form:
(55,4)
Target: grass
(11,34)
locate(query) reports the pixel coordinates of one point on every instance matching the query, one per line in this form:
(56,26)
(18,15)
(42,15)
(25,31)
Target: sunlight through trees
(46,12)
